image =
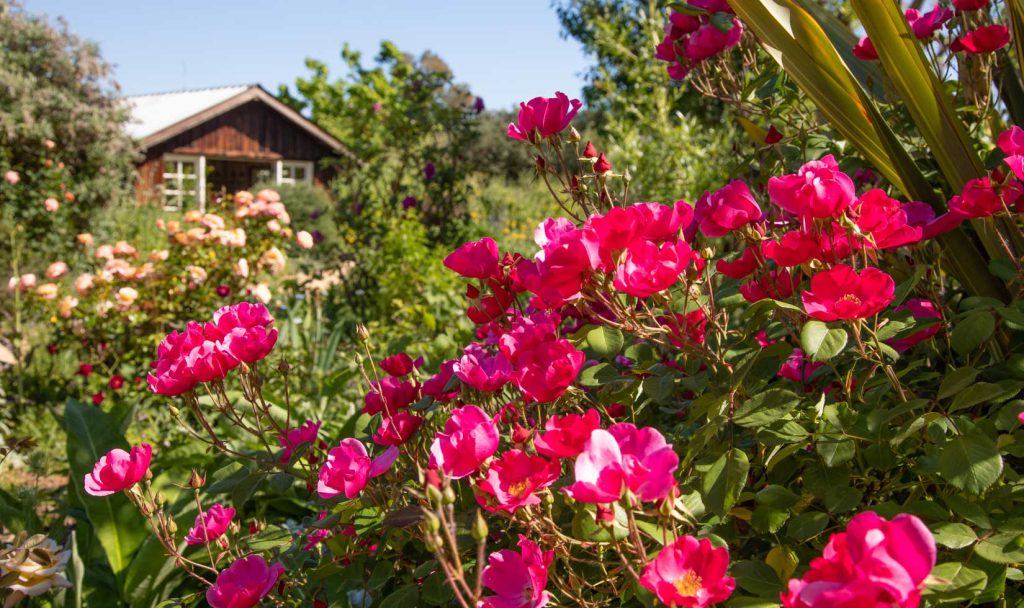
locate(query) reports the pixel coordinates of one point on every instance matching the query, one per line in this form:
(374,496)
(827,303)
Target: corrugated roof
(153,113)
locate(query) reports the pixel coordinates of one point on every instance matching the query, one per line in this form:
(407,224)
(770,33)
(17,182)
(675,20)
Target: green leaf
(765,407)
(955,535)
(984,392)
(723,482)
(820,342)
(605,341)
(401,598)
(806,525)
(973,331)
(956,380)
(964,583)
(271,538)
(756,577)
(1002,547)
(115,521)
(971,462)
(585,526)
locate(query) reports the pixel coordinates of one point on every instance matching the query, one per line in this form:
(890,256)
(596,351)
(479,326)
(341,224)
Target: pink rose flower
(842,293)
(657,222)
(56,270)
(624,457)
(243,331)
(244,583)
(469,438)
(171,375)
(304,239)
(726,209)
(798,368)
(118,470)
(1011,142)
(545,371)
(818,190)
(920,309)
(865,50)
(689,572)
(874,563)
(565,436)
(647,268)
(475,260)
(924,25)
(348,468)
(398,365)
(981,198)
(792,248)
(517,579)
(985,39)
(390,394)
(743,266)
(12,178)
(775,284)
(885,220)
(543,117)
(211,525)
(436,384)
(207,361)
(482,370)
(514,478)
(397,428)
(292,439)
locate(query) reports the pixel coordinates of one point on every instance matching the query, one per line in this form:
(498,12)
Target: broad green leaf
(972,331)
(756,577)
(971,462)
(956,380)
(821,343)
(955,535)
(402,597)
(765,407)
(723,482)
(964,583)
(985,392)
(806,525)
(605,341)
(1002,547)
(118,525)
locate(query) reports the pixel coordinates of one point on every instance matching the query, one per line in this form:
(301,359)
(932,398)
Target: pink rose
(885,220)
(624,457)
(985,39)
(475,260)
(726,209)
(565,436)
(481,370)
(51,204)
(348,468)
(397,428)
(842,293)
(818,190)
(689,572)
(919,309)
(12,178)
(211,525)
(292,439)
(543,117)
(925,25)
(517,579)
(469,438)
(244,583)
(243,331)
(514,478)
(874,563)
(118,470)
(792,248)
(647,268)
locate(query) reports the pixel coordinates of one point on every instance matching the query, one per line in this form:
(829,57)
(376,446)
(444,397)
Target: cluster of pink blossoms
(706,29)
(238,334)
(982,39)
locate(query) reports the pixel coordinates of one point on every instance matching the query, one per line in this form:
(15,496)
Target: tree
(58,104)
(669,137)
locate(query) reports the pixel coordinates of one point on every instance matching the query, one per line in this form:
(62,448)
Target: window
(296,172)
(181,182)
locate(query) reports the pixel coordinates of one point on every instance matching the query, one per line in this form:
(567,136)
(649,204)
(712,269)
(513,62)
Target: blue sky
(506,51)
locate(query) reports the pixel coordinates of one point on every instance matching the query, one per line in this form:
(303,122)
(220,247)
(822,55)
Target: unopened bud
(149,475)
(362,333)
(172,526)
(434,495)
(665,508)
(574,135)
(449,496)
(540,162)
(479,531)
(283,367)
(174,411)
(196,480)
(604,516)
(432,522)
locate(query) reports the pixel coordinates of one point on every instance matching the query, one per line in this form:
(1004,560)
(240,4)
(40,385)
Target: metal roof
(153,113)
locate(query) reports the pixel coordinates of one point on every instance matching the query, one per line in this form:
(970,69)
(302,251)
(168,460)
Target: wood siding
(252,132)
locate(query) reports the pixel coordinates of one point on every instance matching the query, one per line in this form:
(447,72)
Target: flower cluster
(238,334)
(705,29)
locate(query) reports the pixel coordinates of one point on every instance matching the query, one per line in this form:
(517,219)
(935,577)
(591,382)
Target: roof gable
(157,118)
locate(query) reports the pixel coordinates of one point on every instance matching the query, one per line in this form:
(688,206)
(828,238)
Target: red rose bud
(604,515)
(590,151)
(116,382)
(97,399)
(85,369)
(774,136)
(521,434)
(602,165)
(223,290)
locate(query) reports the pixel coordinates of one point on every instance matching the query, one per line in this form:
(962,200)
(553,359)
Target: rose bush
(802,391)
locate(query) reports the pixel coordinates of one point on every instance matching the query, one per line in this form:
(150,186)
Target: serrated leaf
(605,341)
(722,484)
(971,462)
(972,331)
(821,343)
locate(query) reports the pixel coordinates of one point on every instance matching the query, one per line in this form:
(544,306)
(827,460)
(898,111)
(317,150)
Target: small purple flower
(409,202)
(429,170)
(315,214)
(317,236)
(478,105)
(624,361)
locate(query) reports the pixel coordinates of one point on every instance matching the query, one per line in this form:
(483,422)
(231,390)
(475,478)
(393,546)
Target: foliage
(58,107)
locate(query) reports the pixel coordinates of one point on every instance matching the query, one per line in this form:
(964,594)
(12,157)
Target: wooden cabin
(199,143)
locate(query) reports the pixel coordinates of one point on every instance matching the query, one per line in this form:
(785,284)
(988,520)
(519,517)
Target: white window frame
(178,177)
(281,165)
